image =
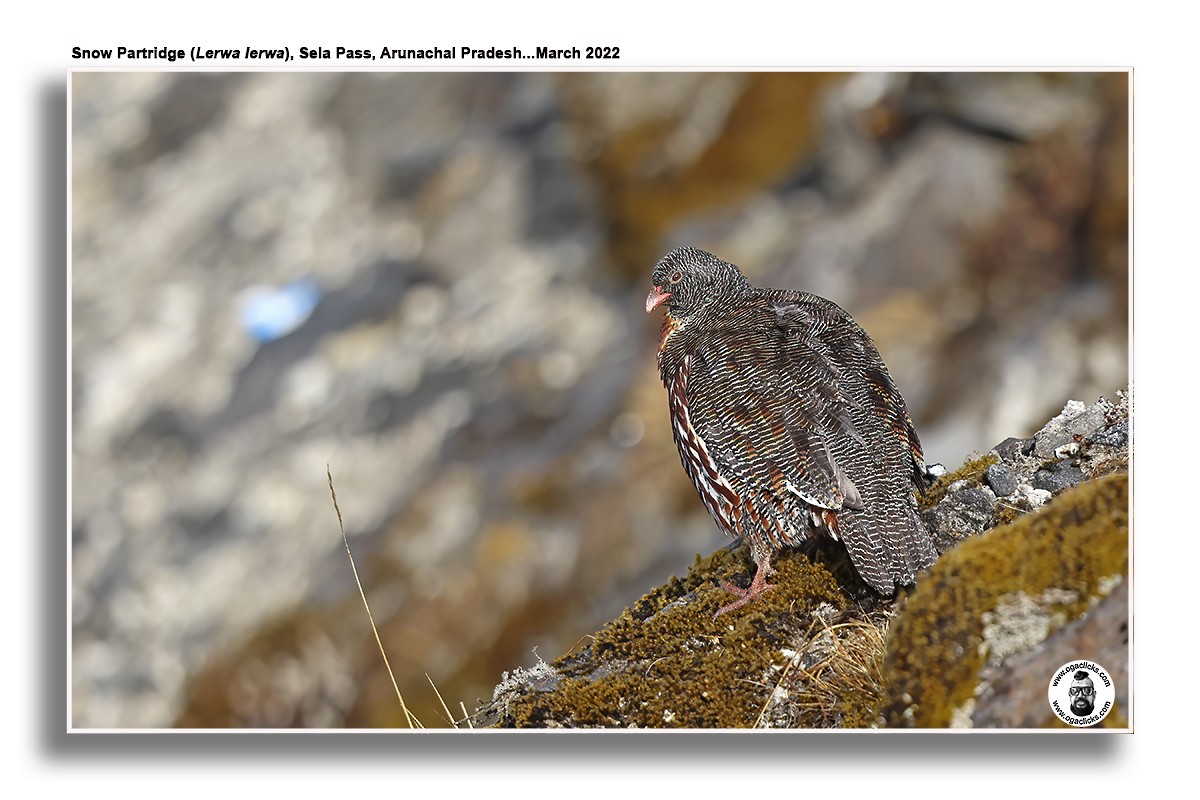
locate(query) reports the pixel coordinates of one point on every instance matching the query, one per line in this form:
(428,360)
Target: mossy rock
(970,474)
(950,636)
(974,644)
(666,662)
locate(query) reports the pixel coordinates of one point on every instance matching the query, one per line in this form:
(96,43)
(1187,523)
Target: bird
(788,423)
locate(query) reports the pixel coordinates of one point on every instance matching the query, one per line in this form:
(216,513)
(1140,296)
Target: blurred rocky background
(434,284)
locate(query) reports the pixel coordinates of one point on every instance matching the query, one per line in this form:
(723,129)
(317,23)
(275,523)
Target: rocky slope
(1033,572)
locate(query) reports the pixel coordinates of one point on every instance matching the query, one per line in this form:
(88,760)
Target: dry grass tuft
(834,680)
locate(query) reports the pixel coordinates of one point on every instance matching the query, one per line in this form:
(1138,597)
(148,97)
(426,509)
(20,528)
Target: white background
(1154,39)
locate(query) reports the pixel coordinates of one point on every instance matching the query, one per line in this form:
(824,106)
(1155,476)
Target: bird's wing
(765,393)
(873,401)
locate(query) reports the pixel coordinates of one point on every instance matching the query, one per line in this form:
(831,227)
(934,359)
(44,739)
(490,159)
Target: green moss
(971,471)
(934,655)
(1007,513)
(664,665)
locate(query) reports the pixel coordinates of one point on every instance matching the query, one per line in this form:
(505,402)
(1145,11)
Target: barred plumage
(787,421)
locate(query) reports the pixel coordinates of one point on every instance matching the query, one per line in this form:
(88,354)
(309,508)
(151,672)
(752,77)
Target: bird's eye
(676,276)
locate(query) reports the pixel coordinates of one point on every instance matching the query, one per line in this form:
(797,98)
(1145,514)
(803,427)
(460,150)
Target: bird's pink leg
(757,587)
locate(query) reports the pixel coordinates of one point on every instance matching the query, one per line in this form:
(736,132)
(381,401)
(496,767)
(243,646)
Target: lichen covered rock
(999,596)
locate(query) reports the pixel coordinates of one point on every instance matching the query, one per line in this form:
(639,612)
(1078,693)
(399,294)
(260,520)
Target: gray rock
(1010,448)
(1057,477)
(1076,420)
(962,513)
(1116,436)
(1002,480)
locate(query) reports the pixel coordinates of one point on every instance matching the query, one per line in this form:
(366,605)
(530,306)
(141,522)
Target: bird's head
(690,281)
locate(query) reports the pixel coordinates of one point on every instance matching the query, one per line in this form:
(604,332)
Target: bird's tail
(888,543)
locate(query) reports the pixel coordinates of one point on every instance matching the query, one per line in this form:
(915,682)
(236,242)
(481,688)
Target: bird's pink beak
(656,298)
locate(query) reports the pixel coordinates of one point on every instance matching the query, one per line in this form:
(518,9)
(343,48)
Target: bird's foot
(757,587)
